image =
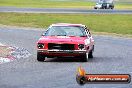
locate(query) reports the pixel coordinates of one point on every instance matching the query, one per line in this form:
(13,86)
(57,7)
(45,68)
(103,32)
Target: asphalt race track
(63,10)
(112,55)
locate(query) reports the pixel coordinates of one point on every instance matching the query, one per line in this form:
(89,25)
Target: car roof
(67,24)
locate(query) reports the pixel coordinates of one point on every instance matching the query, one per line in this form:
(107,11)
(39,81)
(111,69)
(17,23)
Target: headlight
(81,46)
(40,45)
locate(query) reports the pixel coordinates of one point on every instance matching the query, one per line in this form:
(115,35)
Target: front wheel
(90,55)
(40,57)
(85,57)
(112,7)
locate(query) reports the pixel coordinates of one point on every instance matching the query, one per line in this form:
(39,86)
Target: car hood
(62,39)
(98,5)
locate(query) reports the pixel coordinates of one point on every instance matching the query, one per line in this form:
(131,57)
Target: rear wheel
(40,57)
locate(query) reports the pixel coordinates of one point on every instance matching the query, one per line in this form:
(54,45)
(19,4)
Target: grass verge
(48,3)
(110,23)
(58,4)
(123,6)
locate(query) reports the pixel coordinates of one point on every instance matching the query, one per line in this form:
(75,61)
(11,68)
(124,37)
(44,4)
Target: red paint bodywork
(65,40)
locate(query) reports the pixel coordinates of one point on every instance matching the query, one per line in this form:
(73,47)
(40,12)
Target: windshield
(98,3)
(65,31)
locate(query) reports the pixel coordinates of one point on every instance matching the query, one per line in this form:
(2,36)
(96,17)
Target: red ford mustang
(63,39)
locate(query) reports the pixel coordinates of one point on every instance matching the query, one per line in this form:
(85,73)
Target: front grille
(61,46)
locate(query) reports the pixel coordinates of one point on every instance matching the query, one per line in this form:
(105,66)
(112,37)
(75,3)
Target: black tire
(112,8)
(90,55)
(85,58)
(40,57)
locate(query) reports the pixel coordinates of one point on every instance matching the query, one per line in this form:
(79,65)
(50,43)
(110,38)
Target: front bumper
(62,51)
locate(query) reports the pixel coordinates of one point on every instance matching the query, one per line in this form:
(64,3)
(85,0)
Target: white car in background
(104,6)
(98,6)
